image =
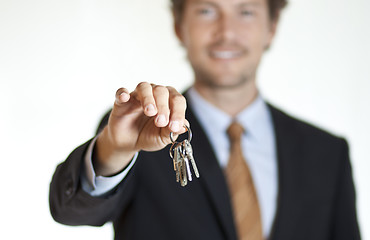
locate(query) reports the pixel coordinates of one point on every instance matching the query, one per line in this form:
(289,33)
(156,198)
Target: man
(292,180)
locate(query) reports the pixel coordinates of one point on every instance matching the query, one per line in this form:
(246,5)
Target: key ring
(189,132)
(172,148)
(182,156)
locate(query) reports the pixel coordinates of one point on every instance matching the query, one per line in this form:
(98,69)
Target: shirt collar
(211,116)
(255,118)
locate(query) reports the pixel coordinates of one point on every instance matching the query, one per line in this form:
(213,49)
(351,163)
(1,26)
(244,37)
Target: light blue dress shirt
(258,143)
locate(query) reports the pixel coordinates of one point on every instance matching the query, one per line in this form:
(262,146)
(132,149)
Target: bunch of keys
(182,154)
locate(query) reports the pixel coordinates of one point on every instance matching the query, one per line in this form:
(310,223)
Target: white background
(62,61)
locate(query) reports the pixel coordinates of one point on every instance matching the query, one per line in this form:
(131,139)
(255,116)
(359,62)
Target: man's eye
(247,13)
(206,11)
(203,11)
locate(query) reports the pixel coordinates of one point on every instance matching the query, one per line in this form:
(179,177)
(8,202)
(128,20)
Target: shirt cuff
(99,185)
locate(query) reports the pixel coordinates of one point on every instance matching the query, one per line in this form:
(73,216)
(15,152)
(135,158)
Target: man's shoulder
(286,122)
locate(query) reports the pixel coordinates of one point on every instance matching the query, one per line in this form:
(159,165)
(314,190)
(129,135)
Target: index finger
(177,105)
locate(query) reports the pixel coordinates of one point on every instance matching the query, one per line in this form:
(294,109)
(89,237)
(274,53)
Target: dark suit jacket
(316,197)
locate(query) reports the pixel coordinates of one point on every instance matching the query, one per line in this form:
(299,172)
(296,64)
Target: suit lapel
(288,144)
(212,177)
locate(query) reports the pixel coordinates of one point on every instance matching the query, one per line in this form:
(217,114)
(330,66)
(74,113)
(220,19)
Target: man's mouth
(226,54)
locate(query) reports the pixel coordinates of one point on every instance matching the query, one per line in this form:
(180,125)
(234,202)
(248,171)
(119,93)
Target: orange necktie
(243,194)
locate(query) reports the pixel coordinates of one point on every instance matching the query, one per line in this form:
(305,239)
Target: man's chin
(225,82)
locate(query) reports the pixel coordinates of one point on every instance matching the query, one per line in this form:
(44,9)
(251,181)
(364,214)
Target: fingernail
(175,126)
(161,120)
(125,96)
(150,109)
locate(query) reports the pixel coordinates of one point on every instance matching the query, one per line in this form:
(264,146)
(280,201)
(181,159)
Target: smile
(226,54)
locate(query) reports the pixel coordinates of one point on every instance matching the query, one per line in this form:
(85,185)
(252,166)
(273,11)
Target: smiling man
(263,174)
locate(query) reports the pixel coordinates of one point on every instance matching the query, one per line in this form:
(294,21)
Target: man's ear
(274,24)
(177,29)
(272,31)
(177,25)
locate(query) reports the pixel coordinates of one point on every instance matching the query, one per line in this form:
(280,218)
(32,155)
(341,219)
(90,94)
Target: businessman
(263,174)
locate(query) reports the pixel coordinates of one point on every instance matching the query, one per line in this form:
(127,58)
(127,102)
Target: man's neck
(230,100)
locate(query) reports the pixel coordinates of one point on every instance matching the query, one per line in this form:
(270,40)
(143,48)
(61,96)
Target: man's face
(225,39)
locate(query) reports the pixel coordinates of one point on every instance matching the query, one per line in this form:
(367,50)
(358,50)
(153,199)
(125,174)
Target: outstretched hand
(140,120)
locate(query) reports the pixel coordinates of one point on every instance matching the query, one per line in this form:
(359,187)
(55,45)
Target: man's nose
(226,29)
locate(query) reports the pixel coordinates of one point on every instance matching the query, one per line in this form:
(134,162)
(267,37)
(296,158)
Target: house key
(181,153)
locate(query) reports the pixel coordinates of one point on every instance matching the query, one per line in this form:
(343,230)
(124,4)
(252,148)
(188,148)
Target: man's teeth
(225,54)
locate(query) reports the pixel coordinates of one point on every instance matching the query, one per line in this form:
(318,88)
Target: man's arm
(100,185)
(140,120)
(71,205)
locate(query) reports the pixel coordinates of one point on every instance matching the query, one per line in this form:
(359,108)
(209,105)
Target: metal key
(177,162)
(183,177)
(181,154)
(188,150)
(186,160)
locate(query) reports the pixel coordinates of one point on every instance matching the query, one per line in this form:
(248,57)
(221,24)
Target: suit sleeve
(71,205)
(345,218)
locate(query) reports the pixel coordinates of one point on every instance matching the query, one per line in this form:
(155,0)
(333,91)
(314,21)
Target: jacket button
(69,190)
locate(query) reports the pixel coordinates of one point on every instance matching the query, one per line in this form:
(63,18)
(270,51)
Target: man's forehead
(229,2)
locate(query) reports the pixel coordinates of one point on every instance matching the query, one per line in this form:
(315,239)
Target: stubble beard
(213,82)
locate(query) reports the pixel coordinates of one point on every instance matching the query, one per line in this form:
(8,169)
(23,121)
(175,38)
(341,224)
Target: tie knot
(235,131)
